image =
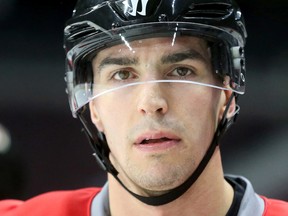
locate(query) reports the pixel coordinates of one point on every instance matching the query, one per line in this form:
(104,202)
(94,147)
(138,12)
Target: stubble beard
(159,178)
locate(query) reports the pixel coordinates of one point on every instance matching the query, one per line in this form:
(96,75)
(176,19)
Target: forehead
(160,46)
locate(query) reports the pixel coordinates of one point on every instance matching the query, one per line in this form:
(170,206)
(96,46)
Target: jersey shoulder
(275,207)
(56,203)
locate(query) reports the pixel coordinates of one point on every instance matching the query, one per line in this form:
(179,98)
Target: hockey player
(155,84)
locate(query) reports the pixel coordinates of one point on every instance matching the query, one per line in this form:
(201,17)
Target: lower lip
(158,146)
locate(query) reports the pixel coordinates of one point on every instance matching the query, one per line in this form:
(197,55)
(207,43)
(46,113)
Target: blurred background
(42,147)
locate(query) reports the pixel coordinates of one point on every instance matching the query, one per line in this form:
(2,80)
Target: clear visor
(172,65)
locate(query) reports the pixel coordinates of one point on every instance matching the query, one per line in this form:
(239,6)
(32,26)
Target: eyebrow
(170,58)
(123,61)
(181,56)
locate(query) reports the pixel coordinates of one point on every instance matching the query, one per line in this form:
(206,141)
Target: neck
(209,195)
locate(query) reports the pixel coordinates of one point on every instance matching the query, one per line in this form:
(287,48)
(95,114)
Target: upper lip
(153,135)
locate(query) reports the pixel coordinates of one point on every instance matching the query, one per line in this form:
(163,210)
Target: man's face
(157,132)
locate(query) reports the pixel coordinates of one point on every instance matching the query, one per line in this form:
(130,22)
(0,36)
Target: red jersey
(275,207)
(60,203)
(78,203)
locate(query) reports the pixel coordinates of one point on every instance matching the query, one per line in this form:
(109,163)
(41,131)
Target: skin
(186,114)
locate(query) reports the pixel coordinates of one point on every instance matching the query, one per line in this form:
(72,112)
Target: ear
(95,117)
(232,106)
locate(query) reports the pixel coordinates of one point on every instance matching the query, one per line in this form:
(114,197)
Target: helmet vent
(81,30)
(208,11)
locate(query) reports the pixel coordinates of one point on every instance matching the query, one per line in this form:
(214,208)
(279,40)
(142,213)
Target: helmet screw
(242,77)
(162,17)
(115,25)
(238,15)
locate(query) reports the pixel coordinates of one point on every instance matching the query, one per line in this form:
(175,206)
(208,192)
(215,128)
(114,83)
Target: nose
(152,100)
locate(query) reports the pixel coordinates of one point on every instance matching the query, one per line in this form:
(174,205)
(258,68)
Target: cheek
(112,130)
(113,118)
(203,107)
(202,113)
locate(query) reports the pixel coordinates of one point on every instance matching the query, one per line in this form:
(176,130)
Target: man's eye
(182,71)
(123,75)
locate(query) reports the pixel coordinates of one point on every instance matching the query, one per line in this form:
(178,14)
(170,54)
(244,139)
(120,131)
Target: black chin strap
(180,190)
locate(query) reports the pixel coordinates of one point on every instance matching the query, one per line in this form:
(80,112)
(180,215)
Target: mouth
(151,139)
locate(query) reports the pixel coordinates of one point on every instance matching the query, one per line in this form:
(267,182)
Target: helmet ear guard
(239,65)
(229,62)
